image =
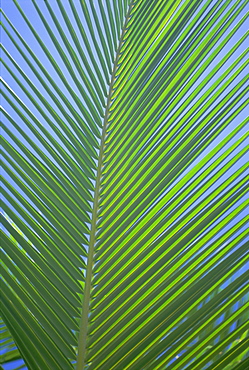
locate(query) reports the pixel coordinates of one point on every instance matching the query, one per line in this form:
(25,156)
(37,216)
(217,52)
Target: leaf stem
(82,340)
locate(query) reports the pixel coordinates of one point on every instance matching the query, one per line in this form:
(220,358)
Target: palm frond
(9,351)
(124,184)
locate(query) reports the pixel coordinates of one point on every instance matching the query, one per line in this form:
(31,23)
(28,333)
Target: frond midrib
(82,339)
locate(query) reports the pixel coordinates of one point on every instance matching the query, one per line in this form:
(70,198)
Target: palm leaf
(9,351)
(124,185)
